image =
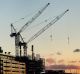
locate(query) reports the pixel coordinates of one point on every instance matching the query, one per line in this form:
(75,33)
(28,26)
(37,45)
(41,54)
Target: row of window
(7,57)
(8,65)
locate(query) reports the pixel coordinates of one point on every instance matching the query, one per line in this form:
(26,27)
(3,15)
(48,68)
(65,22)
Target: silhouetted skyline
(58,43)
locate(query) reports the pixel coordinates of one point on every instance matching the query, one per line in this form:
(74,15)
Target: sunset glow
(59,45)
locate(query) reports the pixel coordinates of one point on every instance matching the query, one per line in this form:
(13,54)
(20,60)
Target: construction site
(21,63)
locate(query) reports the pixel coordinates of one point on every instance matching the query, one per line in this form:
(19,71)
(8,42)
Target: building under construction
(20,65)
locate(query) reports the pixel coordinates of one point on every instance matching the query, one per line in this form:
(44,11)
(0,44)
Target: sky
(56,44)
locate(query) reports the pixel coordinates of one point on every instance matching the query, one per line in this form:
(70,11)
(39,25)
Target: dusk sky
(56,44)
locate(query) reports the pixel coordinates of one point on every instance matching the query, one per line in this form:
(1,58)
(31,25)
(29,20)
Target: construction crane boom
(47,26)
(18,38)
(33,18)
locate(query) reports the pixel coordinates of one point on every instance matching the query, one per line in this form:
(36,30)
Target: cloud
(50,60)
(79,61)
(72,61)
(61,61)
(58,53)
(62,67)
(51,54)
(76,50)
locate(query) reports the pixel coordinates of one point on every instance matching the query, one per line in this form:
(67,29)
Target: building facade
(8,65)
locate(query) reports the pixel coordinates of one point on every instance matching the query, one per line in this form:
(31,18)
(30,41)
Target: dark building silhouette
(32,66)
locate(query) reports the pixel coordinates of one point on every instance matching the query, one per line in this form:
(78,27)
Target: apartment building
(8,65)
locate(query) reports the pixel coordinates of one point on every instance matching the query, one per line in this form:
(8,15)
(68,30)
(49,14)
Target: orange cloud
(73,62)
(62,67)
(61,61)
(58,53)
(51,54)
(50,60)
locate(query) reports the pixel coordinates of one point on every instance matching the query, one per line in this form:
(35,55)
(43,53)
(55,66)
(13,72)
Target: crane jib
(47,26)
(34,18)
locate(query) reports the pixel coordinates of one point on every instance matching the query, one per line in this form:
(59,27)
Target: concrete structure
(8,65)
(33,66)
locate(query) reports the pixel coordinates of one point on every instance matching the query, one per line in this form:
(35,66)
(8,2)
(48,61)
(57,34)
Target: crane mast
(18,38)
(47,26)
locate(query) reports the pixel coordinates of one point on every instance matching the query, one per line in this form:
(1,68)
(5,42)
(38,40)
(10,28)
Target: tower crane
(45,28)
(18,36)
